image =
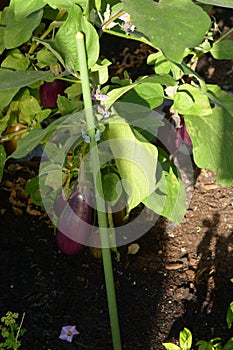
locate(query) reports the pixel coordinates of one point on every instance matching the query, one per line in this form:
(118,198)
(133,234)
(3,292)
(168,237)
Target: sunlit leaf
(169,198)
(19,30)
(145,94)
(212,137)
(221,3)
(136,161)
(65,39)
(185,339)
(181,30)
(190,100)
(22,8)
(222,50)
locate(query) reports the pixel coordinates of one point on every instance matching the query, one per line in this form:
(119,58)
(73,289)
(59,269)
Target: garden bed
(179,278)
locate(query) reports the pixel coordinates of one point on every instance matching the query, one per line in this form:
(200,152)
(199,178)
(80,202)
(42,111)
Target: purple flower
(99,97)
(67,333)
(127,23)
(182,135)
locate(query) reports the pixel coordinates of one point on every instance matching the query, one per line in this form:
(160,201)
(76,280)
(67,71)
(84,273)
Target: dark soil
(179,278)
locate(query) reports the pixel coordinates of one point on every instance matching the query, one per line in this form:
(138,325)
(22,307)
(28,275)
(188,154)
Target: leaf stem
(224,36)
(47,32)
(101,209)
(20,326)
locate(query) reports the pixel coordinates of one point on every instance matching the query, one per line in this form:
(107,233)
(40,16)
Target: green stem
(48,31)
(224,36)
(20,326)
(102,218)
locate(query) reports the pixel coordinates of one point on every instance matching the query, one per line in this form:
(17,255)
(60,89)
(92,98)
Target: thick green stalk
(100,204)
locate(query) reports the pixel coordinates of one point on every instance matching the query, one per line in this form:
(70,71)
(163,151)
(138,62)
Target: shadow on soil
(205,316)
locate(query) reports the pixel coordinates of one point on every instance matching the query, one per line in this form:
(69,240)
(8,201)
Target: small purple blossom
(182,134)
(99,97)
(67,333)
(125,17)
(127,23)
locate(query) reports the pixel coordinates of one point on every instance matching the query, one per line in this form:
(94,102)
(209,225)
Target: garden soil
(180,276)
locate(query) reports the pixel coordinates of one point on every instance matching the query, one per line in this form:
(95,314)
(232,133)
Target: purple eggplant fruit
(75,224)
(49,92)
(60,203)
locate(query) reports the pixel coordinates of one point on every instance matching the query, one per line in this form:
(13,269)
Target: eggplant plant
(110,139)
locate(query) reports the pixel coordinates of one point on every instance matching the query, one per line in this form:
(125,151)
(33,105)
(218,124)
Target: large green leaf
(19,30)
(2,44)
(222,50)
(61,3)
(6,97)
(147,98)
(136,161)
(17,79)
(22,8)
(220,97)
(145,94)
(222,3)
(115,94)
(169,25)
(65,39)
(169,198)
(191,100)
(16,60)
(212,137)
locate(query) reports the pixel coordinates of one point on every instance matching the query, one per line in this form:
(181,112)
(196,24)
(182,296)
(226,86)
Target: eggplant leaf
(112,188)
(169,198)
(222,50)
(65,39)
(16,60)
(190,100)
(221,3)
(212,137)
(61,3)
(17,79)
(18,30)
(22,8)
(145,94)
(136,161)
(181,30)
(6,97)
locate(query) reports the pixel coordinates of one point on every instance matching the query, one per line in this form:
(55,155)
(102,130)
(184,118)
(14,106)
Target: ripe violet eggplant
(75,224)
(49,92)
(60,203)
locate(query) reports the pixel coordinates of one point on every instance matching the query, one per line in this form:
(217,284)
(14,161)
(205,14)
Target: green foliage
(185,341)
(132,157)
(38,41)
(185,338)
(11,331)
(170,26)
(223,3)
